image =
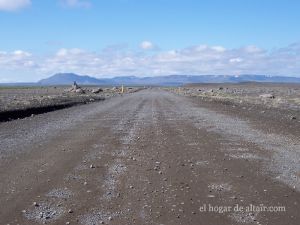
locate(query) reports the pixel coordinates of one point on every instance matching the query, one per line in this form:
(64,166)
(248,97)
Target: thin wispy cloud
(147,45)
(76,3)
(194,60)
(13,5)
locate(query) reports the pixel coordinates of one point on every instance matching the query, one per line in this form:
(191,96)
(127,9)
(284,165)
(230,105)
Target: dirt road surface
(150,157)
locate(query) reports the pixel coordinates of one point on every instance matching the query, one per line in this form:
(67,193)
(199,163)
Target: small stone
(67,223)
(85,183)
(70,211)
(110,218)
(267,96)
(92,166)
(35,204)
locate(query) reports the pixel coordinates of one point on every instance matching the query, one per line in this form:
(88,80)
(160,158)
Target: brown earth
(150,157)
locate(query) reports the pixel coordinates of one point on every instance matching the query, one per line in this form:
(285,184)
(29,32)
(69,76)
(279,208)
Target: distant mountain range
(171,80)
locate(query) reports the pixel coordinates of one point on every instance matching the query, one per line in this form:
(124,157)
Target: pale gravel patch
(192,144)
(118,168)
(239,150)
(202,163)
(220,187)
(44,213)
(249,156)
(142,214)
(111,181)
(98,217)
(81,167)
(60,193)
(94,155)
(244,217)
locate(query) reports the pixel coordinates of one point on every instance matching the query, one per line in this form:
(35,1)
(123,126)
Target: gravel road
(150,157)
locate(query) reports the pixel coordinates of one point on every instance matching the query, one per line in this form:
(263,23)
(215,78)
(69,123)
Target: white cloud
(147,45)
(235,60)
(195,60)
(66,52)
(77,3)
(13,5)
(21,54)
(252,49)
(14,58)
(218,48)
(14,63)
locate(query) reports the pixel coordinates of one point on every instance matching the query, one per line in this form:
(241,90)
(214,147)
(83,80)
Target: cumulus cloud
(13,5)
(77,3)
(235,60)
(147,45)
(194,60)
(16,60)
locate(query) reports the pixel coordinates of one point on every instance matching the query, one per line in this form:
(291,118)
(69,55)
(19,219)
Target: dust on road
(150,157)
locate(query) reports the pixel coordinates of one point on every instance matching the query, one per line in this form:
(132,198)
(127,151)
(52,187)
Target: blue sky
(107,38)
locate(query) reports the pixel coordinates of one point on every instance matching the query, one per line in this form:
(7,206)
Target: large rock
(79,91)
(75,86)
(76,89)
(97,90)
